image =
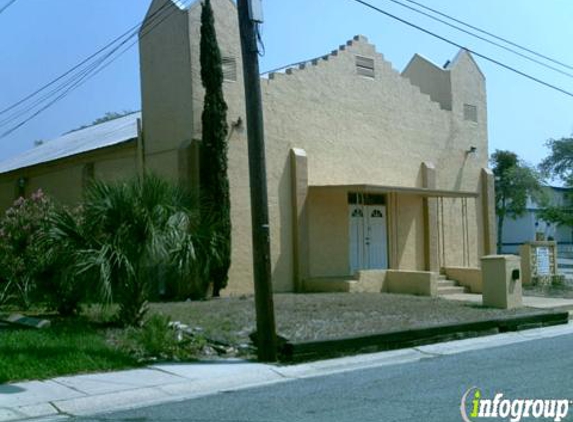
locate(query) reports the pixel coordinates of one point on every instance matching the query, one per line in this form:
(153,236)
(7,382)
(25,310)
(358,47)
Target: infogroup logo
(475,407)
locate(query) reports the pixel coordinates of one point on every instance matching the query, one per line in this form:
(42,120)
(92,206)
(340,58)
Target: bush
(125,233)
(58,287)
(157,339)
(32,270)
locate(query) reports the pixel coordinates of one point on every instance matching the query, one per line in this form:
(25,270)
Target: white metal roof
(181,4)
(90,138)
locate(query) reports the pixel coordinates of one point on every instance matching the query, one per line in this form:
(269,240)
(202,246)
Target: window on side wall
(229,65)
(470,113)
(21,184)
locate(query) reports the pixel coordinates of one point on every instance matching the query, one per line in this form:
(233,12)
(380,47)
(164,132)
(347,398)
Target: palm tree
(128,231)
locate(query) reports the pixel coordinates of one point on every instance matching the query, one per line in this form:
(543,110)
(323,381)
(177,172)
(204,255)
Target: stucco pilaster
(299,191)
(431,253)
(488,204)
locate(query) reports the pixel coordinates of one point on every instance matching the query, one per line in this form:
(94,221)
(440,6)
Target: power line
(63,75)
(63,85)
(465,31)
(475,53)
(131,32)
(7,5)
(66,87)
(505,40)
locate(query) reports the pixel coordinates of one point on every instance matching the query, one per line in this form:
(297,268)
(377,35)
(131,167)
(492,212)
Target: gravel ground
(326,316)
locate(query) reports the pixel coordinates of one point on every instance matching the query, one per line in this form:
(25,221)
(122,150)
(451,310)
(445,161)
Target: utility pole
(249,17)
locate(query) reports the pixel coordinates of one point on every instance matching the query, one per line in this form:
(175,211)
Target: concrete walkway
(528,301)
(64,397)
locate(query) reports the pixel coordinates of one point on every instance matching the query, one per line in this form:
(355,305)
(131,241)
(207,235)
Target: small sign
(543,259)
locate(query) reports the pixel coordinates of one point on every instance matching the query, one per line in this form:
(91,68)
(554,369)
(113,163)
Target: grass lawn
(68,347)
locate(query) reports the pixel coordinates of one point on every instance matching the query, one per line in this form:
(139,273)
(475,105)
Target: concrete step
(451,290)
(446,283)
(442,277)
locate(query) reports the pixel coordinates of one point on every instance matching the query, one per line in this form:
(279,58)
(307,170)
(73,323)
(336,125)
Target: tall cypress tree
(213,169)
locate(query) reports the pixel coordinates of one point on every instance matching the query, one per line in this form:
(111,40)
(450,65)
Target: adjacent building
(530,226)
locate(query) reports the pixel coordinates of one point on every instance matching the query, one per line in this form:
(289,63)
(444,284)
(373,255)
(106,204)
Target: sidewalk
(60,398)
(535,302)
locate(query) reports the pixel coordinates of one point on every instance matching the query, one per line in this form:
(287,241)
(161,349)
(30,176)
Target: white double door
(368,237)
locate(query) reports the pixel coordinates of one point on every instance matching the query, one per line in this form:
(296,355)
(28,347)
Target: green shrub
(126,232)
(157,339)
(33,269)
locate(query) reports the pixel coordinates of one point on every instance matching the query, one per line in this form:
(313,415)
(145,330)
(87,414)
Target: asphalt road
(425,391)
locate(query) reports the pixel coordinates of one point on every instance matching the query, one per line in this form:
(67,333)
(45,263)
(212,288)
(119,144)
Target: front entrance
(368,232)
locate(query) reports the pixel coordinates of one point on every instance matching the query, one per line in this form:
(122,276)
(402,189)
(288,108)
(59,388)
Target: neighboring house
(530,226)
(367,168)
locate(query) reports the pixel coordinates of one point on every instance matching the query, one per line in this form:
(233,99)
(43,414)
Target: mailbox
(501,281)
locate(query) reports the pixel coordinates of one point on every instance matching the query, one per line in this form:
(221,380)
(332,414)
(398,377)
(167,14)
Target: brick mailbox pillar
(501,281)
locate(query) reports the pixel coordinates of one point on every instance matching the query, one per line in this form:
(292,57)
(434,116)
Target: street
(428,390)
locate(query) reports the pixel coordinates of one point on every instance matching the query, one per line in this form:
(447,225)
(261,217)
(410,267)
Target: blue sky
(40,39)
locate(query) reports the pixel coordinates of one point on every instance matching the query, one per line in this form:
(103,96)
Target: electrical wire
(475,53)
(465,31)
(295,64)
(7,5)
(63,75)
(66,87)
(505,40)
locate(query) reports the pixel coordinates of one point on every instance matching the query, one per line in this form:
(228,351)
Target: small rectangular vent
(470,113)
(365,66)
(229,65)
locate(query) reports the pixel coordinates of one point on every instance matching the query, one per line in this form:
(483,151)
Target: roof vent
(470,113)
(229,65)
(365,66)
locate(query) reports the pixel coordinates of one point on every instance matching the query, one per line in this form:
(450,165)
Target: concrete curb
(313,350)
(82,395)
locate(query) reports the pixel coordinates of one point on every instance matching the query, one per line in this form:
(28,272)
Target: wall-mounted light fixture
(237,123)
(472,150)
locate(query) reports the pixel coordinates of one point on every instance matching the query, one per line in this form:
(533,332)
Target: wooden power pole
(266,335)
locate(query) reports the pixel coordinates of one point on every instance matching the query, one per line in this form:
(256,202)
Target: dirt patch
(325,316)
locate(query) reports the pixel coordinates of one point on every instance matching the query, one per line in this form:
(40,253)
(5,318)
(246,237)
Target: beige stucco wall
(431,79)
(166,86)
(65,180)
(422,283)
(328,234)
(408,221)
